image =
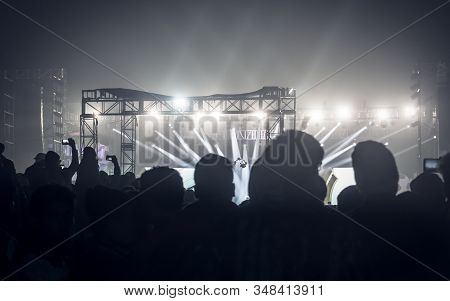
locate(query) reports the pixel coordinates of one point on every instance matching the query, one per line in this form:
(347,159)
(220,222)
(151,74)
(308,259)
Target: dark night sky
(206,47)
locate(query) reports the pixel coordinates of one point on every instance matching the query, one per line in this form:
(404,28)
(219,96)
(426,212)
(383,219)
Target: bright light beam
(172,157)
(328,135)
(234,145)
(205,138)
(346,142)
(182,151)
(319,132)
(193,154)
(393,133)
(166,153)
(206,145)
(412,147)
(330,158)
(219,151)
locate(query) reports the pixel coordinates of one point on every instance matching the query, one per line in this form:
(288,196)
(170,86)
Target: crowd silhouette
(119,227)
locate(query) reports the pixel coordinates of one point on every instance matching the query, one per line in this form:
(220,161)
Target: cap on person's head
(213,177)
(39,157)
(52,157)
(89,153)
(375,168)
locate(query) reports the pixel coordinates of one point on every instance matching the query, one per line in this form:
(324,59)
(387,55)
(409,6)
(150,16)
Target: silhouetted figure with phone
(55,173)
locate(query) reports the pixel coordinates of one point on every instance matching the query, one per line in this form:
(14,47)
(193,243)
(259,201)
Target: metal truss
(277,103)
(128,143)
(88,131)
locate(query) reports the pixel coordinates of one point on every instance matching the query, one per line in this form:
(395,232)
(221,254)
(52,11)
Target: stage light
(260,114)
(344,113)
(382,114)
(410,111)
(180,103)
(215,114)
(434,137)
(199,114)
(316,115)
(386,143)
(153,113)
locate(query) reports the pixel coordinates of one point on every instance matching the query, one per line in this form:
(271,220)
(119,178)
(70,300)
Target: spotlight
(434,137)
(386,143)
(260,114)
(180,103)
(316,115)
(199,114)
(410,111)
(153,113)
(344,113)
(215,114)
(382,114)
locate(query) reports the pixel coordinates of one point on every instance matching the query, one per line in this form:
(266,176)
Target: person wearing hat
(36,172)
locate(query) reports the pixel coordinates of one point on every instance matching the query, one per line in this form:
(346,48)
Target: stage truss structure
(276,103)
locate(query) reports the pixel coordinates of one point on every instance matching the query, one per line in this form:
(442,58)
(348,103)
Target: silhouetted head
(52,209)
(294,149)
(2,148)
(52,160)
(89,154)
(288,170)
(349,200)
(375,169)
(130,177)
(430,187)
(164,187)
(213,178)
(444,168)
(40,157)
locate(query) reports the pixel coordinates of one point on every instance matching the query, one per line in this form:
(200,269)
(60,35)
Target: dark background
(205,47)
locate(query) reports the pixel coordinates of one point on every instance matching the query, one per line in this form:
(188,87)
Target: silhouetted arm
(116,166)
(73,167)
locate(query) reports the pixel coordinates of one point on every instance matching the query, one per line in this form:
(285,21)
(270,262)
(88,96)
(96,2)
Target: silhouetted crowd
(119,227)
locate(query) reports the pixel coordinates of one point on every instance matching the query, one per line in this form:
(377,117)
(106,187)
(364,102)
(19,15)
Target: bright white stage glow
(153,113)
(316,115)
(180,103)
(215,114)
(260,114)
(410,111)
(344,113)
(199,114)
(382,114)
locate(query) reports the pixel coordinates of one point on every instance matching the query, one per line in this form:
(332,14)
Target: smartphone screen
(431,165)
